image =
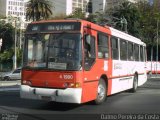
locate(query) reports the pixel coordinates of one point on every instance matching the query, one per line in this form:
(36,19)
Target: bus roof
(109,30)
(125,36)
(60,20)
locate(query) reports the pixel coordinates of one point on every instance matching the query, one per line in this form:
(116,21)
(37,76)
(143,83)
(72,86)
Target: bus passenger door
(89,71)
(89,52)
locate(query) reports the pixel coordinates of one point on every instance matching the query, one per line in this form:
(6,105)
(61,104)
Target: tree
(129,12)
(98,18)
(6,55)
(6,33)
(78,13)
(124,17)
(38,9)
(60,16)
(149,19)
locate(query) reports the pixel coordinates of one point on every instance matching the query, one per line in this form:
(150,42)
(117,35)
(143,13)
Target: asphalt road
(144,104)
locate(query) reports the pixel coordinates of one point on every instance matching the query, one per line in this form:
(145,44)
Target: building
(102,5)
(14,10)
(61,7)
(67,7)
(98,5)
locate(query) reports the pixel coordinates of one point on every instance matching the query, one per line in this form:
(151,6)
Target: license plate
(46,98)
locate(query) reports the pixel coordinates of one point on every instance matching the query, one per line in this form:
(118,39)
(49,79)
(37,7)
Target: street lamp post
(0,43)
(0,50)
(14,19)
(15,42)
(157,48)
(20,32)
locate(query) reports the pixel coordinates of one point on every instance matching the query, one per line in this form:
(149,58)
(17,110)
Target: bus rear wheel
(135,84)
(101,92)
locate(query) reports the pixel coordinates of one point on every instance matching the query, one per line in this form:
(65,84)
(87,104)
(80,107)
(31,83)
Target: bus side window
(136,52)
(130,51)
(114,44)
(103,46)
(123,50)
(90,46)
(144,52)
(141,54)
(89,51)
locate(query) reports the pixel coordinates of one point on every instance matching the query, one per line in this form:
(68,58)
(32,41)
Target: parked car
(13,75)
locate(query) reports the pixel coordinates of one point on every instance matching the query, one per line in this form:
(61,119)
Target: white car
(13,75)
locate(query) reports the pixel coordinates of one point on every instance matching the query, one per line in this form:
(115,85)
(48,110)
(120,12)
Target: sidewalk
(10,85)
(154,76)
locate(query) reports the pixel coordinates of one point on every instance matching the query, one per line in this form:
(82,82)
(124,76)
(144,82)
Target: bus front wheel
(101,92)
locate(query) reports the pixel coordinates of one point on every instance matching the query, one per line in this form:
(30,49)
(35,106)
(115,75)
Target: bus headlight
(27,82)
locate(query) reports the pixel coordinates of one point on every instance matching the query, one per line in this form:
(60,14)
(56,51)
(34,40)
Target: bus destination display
(61,26)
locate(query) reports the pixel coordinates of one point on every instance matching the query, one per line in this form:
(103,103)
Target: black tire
(101,92)
(7,78)
(135,84)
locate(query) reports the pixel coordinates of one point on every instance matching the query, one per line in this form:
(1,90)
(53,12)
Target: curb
(154,77)
(9,89)
(9,84)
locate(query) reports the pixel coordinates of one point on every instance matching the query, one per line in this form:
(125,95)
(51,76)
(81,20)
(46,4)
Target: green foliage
(38,9)
(150,21)
(141,17)
(127,11)
(6,55)
(19,55)
(149,18)
(78,13)
(143,21)
(6,33)
(115,17)
(58,17)
(98,18)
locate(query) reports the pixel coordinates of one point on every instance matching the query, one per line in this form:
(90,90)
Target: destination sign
(55,26)
(61,27)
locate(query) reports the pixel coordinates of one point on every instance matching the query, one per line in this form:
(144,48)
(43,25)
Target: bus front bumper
(68,95)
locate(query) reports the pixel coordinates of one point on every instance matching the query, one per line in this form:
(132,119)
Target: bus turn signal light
(77,85)
(72,85)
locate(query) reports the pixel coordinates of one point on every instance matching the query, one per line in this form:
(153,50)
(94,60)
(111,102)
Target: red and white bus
(76,61)
(153,67)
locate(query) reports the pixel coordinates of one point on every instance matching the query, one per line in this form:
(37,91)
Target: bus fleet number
(68,77)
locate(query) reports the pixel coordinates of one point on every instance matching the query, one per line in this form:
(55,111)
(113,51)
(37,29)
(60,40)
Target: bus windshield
(58,51)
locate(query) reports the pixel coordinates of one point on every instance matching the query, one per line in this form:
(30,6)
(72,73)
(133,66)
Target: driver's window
(89,51)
